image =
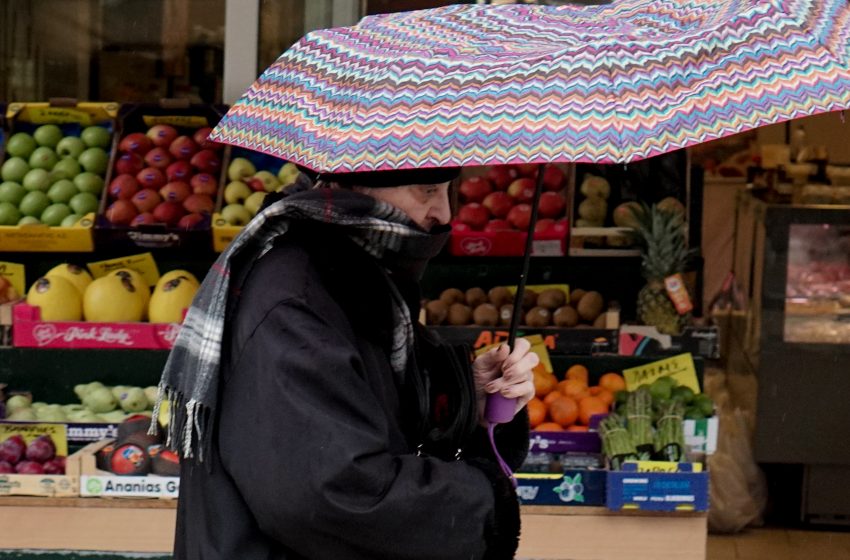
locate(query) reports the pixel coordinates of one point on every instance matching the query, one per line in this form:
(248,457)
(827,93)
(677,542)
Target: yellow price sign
(538,346)
(31,430)
(681,368)
(143,263)
(14,274)
(188,121)
(59,115)
(664,466)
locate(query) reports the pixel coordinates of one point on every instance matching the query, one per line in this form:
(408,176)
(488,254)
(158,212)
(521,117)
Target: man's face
(427,205)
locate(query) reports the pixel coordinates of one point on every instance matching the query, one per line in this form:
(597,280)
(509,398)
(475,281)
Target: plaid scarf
(191,375)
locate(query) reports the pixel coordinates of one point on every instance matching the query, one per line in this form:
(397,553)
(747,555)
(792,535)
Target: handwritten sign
(665,466)
(489,338)
(538,346)
(143,263)
(188,121)
(681,368)
(31,430)
(59,115)
(14,274)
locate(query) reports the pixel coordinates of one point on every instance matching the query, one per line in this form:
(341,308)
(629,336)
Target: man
(320,419)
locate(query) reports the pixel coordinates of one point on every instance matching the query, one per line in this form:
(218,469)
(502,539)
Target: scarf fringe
(187,433)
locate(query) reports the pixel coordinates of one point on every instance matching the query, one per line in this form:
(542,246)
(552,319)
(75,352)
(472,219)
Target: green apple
(236,192)
(20,145)
(14,169)
(47,135)
(62,191)
(96,137)
(236,214)
(71,220)
(28,221)
(83,203)
(12,192)
(254,202)
(288,173)
(9,214)
(65,168)
(89,183)
(43,158)
(55,213)
(94,160)
(34,203)
(70,146)
(240,168)
(37,180)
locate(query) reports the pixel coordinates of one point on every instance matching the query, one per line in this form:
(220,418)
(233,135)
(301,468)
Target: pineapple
(662,238)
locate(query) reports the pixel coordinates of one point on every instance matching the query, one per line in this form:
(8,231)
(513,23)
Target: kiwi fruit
(459,314)
(529,299)
(475,297)
(452,295)
(436,312)
(499,296)
(600,322)
(551,299)
(565,316)
(538,317)
(506,312)
(486,315)
(575,296)
(590,306)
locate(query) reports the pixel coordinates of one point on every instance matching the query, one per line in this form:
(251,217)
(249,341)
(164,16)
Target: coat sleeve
(304,438)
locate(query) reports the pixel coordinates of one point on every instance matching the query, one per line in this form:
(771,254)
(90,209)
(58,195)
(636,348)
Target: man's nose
(441,211)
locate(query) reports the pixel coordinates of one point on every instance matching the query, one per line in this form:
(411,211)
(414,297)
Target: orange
(573,388)
(578,372)
(547,400)
(588,406)
(594,390)
(536,412)
(605,396)
(577,428)
(564,411)
(549,427)
(544,383)
(613,382)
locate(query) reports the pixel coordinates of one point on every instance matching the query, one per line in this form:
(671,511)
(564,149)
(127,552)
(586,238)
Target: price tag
(59,115)
(188,121)
(664,466)
(538,346)
(14,273)
(143,264)
(31,430)
(681,368)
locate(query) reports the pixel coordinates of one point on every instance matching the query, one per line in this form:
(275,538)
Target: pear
(37,404)
(100,400)
(170,300)
(57,298)
(51,413)
(77,275)
(151,392)
(113,417)
(113,299)
(23,415)
(118,390)
(164,416)
(17,402)
(133,400)
(84,416)
(70,409)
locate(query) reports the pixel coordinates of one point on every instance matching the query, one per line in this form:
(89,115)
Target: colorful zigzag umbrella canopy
(478,84)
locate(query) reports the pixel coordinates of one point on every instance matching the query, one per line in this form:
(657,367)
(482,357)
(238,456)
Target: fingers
(492,358)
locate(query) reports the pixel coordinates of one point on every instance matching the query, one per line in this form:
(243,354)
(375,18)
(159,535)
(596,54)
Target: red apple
(520,215)
(498,225)
(121,212)
(183,147)
(553,178)
(500,176)
(162,134)
(522,189)
(201,138)
(460,226)
(546,225)
(130,163)
(474,189)
(474,215)
(123,187)
(146,200)
(189,221)
(204,183)
(175,191)
(256,184)
(150,178)
(158,158)
(206,161)
(561,226)
(498,203)
(179,171)
(551,205)
(199,204)
(169,213)
(136,142)
(528,170)
(143,219)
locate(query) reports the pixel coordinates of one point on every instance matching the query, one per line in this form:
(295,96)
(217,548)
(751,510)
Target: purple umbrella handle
(499,410)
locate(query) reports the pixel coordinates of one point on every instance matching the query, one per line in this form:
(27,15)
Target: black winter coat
(314,452)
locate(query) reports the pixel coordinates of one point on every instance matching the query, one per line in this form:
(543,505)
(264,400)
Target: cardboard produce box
(658,486)
(74,204)
(41,484)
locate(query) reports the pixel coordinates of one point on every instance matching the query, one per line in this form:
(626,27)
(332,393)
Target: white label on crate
(130,486)
(547,248)
(701,435)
